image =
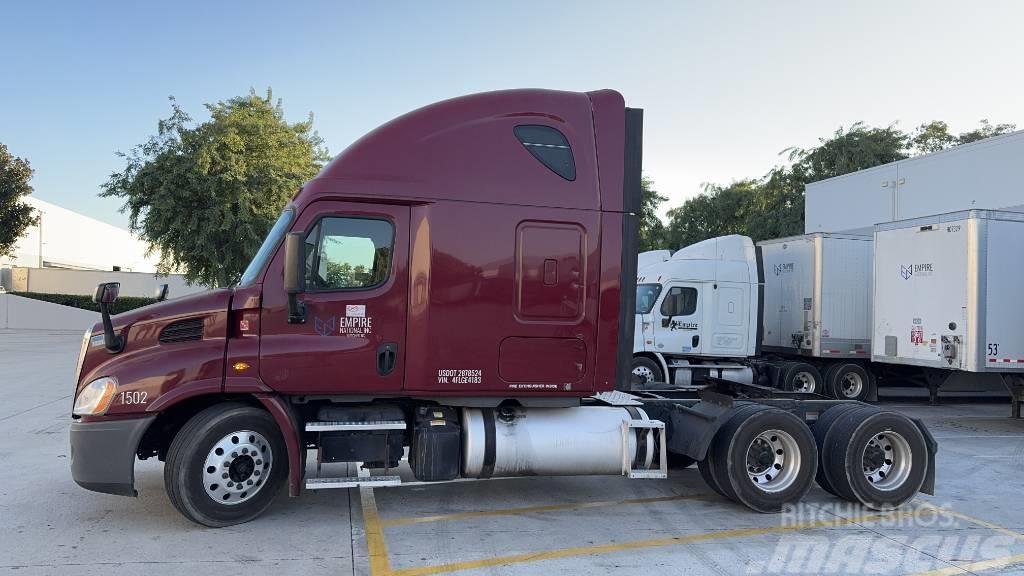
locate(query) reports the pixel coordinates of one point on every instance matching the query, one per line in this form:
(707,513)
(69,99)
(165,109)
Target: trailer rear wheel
(225,465)
(849,381)
(820,429)
(646,371)
(877,458)
(765,459)
(801,377)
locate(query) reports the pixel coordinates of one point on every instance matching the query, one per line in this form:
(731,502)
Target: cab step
(352,482)
(323,426)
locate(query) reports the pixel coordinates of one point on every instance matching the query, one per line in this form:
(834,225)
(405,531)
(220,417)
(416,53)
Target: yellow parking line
(637,544)
(975,566)
(534,509)
(376,547)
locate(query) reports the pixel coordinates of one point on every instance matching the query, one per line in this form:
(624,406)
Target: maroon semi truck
(456,288)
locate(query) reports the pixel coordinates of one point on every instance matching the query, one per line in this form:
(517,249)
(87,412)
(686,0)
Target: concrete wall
(60,281)
(17,313)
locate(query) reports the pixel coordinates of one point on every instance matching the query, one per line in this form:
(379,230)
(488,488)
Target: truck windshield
(646,295)
(267,248)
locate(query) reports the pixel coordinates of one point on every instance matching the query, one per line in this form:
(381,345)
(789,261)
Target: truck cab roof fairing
(465,149)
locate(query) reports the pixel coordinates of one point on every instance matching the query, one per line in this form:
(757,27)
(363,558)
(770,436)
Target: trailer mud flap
(691,429)
(928,487)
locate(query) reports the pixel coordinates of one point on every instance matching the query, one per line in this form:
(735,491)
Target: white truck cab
(697,311)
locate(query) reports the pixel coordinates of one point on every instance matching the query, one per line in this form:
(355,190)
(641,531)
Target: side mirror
(161,292)
(295,276)
(105,295)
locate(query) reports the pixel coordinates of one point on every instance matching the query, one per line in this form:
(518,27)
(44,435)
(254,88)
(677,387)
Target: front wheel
(646,371)
(226,465)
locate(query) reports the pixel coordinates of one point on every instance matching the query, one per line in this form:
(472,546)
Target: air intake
(183,331)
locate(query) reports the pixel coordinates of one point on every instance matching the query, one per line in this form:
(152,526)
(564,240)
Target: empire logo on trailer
(910,270)
(783,268)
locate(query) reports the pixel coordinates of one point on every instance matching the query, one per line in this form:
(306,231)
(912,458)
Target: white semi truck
(918,301)
(792,313)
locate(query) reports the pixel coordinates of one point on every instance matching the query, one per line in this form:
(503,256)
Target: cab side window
(348,253)
(679,301)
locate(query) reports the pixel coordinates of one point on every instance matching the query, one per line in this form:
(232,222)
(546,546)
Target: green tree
(652,230)
(206,194)
(718,211)
(985,130)
(932,137)
(935,136)
(15,215)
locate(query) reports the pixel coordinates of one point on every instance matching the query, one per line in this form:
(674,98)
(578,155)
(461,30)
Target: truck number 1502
(130,398)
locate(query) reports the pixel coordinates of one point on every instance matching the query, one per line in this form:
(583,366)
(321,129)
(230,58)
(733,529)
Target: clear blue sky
(725,85)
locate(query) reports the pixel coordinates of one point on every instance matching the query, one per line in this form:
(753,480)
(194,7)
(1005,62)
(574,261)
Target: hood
(206,302)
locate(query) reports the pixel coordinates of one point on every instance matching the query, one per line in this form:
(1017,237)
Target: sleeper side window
(679,301)
(348,253)
(549,146)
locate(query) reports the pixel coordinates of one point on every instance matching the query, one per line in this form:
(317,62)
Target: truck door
(677,319)
(353,338)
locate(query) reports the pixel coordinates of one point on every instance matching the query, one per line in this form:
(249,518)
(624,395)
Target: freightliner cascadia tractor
(455,289)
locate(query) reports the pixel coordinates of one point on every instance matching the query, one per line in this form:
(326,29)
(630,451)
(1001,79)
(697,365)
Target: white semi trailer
(792,313)
(918,301)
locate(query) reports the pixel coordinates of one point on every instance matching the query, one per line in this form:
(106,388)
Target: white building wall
(68,239)
(988,175)
(60,281)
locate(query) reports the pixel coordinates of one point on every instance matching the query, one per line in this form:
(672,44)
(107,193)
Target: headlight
(95,398)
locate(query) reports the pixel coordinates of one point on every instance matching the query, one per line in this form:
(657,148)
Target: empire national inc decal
(907,271)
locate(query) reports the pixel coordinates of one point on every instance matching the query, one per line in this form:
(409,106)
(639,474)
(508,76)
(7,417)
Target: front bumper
(103,454)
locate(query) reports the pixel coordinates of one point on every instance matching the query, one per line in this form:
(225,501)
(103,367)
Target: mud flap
(933,447)
(691,429)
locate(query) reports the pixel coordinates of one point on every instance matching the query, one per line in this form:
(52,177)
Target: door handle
(695,341)
(387,356)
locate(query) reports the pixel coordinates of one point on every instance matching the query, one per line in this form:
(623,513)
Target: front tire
(226,465)
(646,371)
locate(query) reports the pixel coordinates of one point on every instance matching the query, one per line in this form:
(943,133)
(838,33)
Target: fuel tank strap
(641,446)
(487,470)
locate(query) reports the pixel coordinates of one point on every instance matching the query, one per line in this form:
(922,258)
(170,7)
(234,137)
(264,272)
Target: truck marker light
(240,366)
(95,398)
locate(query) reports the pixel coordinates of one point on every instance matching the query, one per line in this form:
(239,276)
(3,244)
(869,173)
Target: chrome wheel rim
(236,467)
(773,461)
(887,460)
(851,385)
(803,382)
(644,374)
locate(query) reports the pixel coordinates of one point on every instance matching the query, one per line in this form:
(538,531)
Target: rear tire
(802,377)
(820,430)
(646,370)
(849,381)
(877,458)
(765,459)
(226,465)
(706,466)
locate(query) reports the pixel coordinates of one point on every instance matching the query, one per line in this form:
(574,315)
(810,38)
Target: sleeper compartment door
(550,291)
(353,339)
